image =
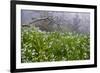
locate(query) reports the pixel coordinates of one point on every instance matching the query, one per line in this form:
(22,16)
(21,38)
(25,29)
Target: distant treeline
(56,21)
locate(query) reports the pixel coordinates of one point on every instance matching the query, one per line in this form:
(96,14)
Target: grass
(41,46)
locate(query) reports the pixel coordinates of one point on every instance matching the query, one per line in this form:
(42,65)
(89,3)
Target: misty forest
(48,36)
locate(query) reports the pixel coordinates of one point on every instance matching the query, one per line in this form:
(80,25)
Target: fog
(57,20)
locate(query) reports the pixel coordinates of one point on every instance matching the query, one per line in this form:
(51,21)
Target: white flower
(51,43)
(33,53)
(39,31)
(49,46)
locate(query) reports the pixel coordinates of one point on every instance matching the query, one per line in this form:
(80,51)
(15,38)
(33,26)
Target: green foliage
(41,46)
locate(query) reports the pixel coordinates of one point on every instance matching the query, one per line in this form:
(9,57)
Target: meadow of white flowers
(41,46)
